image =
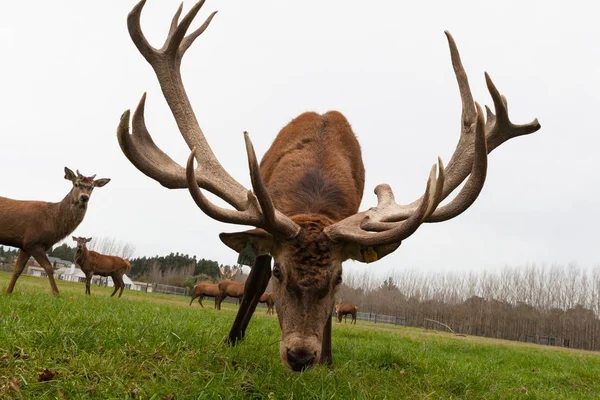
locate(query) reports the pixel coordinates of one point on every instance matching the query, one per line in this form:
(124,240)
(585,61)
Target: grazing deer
(305,193)
(268,299)
(35,226)
(202,289)
(343,310)
(229,288)
(92,263)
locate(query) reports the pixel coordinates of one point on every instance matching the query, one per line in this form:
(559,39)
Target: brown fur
(314,166)
(93,263)
(35,226)
(269,300)
(202,289)
(343,310)
(229,288)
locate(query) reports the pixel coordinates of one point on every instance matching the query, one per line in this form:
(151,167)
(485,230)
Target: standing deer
(343,310)
(35,226)
(268,299)
(305,193)
(229,288)
(202,289)
(92,263)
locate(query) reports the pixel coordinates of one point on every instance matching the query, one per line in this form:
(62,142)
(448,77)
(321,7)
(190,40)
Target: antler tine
(499,128)
(174,23)
(470,191)
(137,36)
(258,211)
(468,110)
(249,214)
(275,222)
(349,230)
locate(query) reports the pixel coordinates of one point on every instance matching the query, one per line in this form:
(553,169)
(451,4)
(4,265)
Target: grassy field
(151,346)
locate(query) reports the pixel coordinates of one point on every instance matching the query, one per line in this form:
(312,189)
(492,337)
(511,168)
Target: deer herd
(304,201)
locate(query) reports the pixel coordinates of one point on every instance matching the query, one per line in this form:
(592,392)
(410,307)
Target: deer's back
(106,265)
(314,166)
(210,289)
(23,222)
(232,288)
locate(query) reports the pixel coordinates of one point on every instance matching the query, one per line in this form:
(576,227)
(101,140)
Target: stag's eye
(277,272)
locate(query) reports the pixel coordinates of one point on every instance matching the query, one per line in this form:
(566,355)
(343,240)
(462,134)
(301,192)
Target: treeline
(557,305)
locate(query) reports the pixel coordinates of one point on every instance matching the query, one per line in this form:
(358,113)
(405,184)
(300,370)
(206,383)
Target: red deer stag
(92,263)
(229,288)
(202,289)
(269,301)
(35,226)
(343,310)
(305,193)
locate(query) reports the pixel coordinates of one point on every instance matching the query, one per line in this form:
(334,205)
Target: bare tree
(112,246)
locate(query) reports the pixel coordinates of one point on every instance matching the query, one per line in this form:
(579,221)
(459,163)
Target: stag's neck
(81,256)
(69,215)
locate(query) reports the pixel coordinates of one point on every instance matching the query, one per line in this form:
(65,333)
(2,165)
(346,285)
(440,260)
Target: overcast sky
(69,69)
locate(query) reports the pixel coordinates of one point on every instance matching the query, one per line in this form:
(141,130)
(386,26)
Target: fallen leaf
(92,390)
(402,372)
(47,375)
(524,389)
(14,385)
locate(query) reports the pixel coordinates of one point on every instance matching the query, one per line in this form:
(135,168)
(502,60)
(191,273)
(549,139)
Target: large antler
(141,150)
(390,221)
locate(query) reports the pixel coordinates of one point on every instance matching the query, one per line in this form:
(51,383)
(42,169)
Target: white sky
(69,69)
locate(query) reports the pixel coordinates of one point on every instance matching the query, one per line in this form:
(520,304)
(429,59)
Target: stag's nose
(84,198)
(299,361)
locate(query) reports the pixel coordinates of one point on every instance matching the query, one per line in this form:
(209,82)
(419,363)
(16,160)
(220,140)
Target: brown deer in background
(93,263)
(229,288)
(305,193)
(268,299)
(343,310)
(35,226)
(202,289)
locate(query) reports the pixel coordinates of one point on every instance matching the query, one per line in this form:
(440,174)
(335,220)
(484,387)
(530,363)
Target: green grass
(150,346)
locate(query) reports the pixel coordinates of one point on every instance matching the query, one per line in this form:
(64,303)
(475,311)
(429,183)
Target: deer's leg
(122,284)
(116,284)
(200,298)
(255,286)
(326,357)
(19,267)
(222,297)
(40,256)
(194,295)
(88,280)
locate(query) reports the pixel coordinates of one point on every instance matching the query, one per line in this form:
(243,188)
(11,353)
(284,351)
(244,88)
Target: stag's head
(82,186)
(308,249)
(81,242)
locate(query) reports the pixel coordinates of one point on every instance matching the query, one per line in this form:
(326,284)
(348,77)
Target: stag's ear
(101,182)
(262,241)
(88,240)
(70,175)
(74,238)
(367,254)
